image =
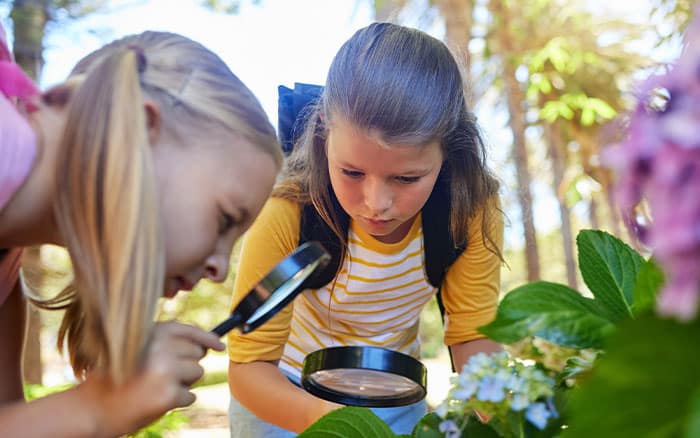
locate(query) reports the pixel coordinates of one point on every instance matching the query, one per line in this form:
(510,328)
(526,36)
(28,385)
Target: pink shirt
(17,150)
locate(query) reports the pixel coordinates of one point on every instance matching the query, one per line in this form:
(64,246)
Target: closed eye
(226,222)
(408,179)
(352,173)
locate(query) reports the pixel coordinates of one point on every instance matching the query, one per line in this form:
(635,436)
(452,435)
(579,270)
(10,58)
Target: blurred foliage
(431,331)
(213,377)
(676,14)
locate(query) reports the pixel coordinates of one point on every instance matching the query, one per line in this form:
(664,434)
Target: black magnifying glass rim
(307,254)
(364,358)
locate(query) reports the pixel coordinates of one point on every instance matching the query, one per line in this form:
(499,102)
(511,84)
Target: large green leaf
(349,422)
(693,424)
(609,267)
(649,280)
(428,427)
(647,384)
(551,311)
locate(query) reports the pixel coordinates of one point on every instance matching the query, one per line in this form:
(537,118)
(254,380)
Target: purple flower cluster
(659,163)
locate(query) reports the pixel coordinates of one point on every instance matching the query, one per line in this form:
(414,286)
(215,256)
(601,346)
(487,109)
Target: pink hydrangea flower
(660,162)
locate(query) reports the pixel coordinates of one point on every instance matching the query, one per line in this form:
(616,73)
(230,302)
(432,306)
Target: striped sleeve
(471,287)
(273,235)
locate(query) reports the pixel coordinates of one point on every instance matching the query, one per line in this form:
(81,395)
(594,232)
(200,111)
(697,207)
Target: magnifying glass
(276,289)
(364,376)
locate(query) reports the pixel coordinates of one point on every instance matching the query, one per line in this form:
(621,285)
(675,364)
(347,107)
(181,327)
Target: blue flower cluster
(495,385)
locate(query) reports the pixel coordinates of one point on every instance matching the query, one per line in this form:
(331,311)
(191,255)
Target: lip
(377,222)
(184,284)
(178,284)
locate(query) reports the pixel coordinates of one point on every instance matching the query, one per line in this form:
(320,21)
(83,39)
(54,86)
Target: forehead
(238,171)
(358,147)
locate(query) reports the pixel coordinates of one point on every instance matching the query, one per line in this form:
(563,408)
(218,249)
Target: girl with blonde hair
(146,164)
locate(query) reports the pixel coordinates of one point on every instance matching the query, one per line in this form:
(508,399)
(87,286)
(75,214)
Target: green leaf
(350,422)
(650,278)
(551,311)
(428,427)
(609,268)
(646,385)
(587,116)
(475,428)
(693,425)
(602,108)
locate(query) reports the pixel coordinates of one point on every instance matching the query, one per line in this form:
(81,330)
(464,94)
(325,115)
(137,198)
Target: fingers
(189,372)
(184,398)
(195,334)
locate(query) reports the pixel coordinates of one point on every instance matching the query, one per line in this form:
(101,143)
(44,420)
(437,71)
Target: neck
(28,218)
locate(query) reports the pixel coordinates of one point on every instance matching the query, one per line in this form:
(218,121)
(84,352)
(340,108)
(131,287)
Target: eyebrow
(411,172)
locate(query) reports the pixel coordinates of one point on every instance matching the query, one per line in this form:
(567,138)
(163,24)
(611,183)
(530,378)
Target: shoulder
(279,210)
(279,219)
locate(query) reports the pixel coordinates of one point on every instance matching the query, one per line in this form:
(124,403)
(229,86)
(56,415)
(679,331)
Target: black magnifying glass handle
(230,323)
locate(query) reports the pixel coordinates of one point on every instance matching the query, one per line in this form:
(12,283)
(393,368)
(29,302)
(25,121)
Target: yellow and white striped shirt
(375,299)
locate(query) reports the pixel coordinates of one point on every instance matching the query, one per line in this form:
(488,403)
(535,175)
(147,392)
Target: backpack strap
(313,227)
(440,251)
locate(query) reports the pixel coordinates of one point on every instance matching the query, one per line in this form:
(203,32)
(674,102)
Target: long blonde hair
(106,205)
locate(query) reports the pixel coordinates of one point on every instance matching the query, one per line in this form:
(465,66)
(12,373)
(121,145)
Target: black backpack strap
(440,250)
(313,227)
(294,107)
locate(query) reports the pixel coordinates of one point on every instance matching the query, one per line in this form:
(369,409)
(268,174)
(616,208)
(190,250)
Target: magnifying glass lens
(365,383)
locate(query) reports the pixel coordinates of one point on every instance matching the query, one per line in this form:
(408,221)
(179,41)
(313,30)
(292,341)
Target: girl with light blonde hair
(146,164)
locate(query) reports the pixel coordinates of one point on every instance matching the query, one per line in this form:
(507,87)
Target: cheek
(414,197)
(189,239)
(347,191)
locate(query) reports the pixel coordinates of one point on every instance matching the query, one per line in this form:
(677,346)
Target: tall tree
(504,39)
(458,16)
(579,83)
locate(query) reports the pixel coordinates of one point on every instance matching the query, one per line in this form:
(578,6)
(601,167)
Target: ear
(153,120)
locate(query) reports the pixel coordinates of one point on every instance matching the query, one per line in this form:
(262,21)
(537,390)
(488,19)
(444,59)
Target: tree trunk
(557,153)
(516,99)
(593,213)
(458,18)
(32,367)
(29,18)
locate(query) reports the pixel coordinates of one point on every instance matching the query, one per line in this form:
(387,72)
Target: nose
(378,196)
(216,268)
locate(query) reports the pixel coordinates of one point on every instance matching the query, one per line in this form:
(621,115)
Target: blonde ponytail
(106,210)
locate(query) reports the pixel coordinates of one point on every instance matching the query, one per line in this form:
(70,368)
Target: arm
(471,291)
(301,409)
(98,408)
(463,351)
(254,356)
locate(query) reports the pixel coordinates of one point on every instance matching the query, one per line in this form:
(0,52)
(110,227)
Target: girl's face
(209,195)
(381,187)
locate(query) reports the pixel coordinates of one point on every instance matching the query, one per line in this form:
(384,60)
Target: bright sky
(278,42)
